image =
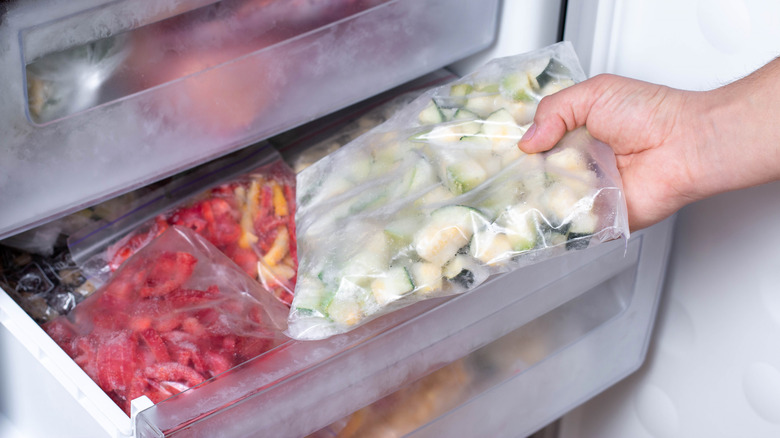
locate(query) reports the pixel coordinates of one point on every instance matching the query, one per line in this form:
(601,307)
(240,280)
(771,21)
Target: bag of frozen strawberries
(176,313)
(249,216)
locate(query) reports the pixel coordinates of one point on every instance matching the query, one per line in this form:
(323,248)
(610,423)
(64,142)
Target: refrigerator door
(713,367)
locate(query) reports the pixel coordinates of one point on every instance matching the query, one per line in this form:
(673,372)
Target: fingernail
(529,134)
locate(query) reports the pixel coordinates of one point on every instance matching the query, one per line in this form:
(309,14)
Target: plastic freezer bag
(439,197)
(249,217)
(305,145)
(44,286)
(175,314)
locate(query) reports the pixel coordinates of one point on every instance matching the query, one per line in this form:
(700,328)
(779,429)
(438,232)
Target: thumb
(558,113)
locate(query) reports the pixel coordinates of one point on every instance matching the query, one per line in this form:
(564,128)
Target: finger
(548,127)
(559,113)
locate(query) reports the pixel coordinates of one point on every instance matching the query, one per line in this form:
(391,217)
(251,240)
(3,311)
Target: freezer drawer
(517,383)
(564,330)
(100,97)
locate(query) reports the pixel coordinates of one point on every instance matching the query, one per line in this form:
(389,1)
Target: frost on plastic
(249,217)
(439,198)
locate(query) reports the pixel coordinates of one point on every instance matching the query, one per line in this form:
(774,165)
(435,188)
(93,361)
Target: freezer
(130,108)
(149,91)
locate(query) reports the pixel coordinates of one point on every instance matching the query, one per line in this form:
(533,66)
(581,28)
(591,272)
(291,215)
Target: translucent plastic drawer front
(422,407)
(303,386)
(536,373)
(100,97)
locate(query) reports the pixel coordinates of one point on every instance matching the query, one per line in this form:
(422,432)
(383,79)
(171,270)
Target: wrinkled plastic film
(249,216)
(175,314)
(438,198)
(305,145)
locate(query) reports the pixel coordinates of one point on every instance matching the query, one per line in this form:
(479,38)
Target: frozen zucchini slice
(460,90)
(490,246)
(483,100)
(500,127)
(345,312)
(457,170)
(561,202)
(532,170)
(505,191)
(431,114)
(502,131)
(461,270)
(370,262)
(400,232)
(459,94)
(487,88)
(427,277)
(553,71)
(519,86)
(392,285)
(520,225)
(418,175)
(470,123)
(481,105)
(310,296)
(580,230)
(569,159)
(369,200)
(448,229)
(464,114)
(437,195)
(332,187)
(464,176)
(450,133)
(424,176)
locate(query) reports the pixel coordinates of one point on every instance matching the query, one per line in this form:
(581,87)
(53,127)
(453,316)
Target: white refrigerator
(713,368)
(578,349)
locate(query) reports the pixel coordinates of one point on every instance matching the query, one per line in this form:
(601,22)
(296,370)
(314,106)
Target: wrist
(708,126)
(737,143)
(689,164)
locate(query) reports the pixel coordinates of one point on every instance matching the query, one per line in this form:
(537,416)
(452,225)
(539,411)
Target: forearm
(739,139)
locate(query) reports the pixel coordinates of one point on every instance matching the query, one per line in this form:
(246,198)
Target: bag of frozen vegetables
(438,198)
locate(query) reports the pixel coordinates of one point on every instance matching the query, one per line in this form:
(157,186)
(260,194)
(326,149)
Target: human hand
(672,147)
(640,122)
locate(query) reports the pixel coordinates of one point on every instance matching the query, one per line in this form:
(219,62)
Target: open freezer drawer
(558,332)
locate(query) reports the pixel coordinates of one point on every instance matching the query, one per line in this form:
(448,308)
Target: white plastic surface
(714,367)
(689,44)
(523,26)
(43,393)
(8,430)
(567,377)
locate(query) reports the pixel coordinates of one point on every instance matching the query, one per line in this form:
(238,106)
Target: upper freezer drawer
(100,97)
